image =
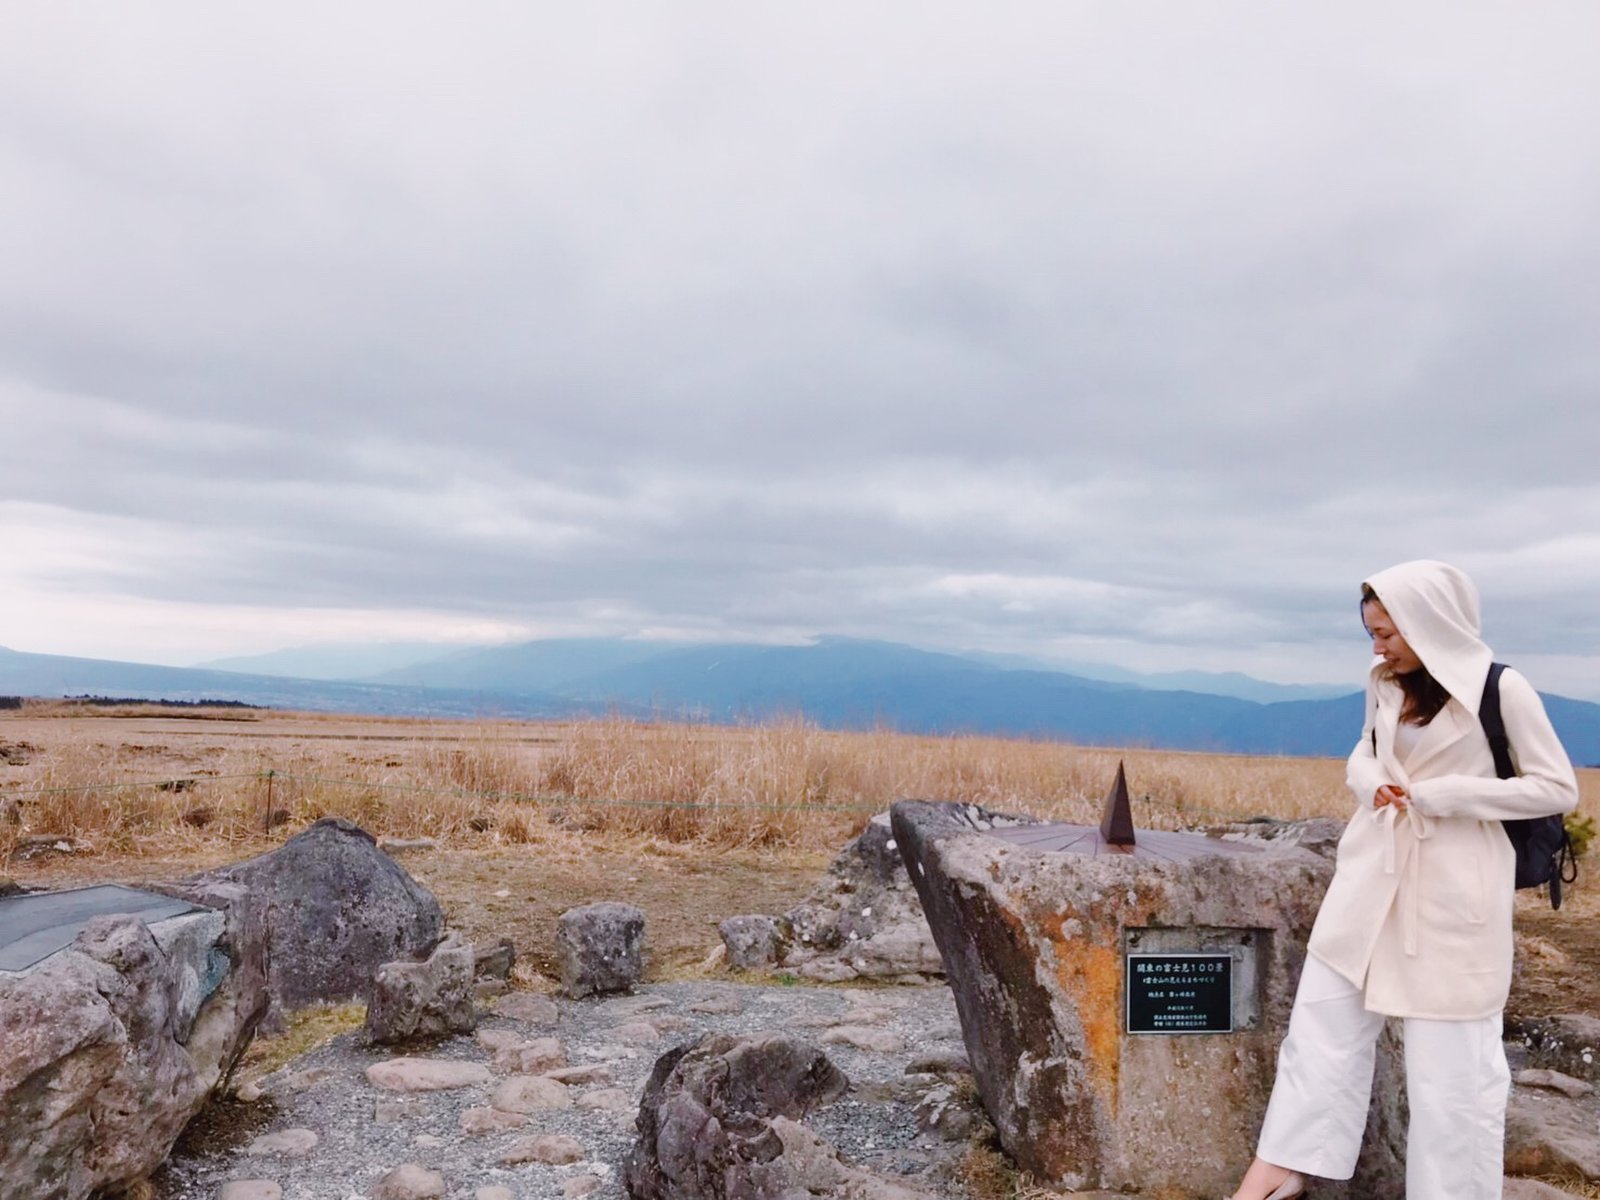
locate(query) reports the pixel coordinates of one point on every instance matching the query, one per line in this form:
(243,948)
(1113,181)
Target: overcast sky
(1127,332)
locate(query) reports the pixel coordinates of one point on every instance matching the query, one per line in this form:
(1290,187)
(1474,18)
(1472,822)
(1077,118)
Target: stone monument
(1122,993)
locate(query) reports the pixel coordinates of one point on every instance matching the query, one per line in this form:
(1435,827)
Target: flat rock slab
(865,1037)
(553,1149)
(250,1189)
(531,1094)
(718,1006)
(476,1122)
(525,1006)
(294,1143)
(409,1181)
(426,1074)
(613,1100)
(530,1058)
(37,925)
(1555,1081)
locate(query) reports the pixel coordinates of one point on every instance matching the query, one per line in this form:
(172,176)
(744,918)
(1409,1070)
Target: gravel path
(363,1131)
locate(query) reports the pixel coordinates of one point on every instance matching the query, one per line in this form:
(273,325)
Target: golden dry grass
(303,1032)
(138,779)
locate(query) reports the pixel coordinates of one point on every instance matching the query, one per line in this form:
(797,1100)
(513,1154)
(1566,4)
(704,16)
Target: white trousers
(1457,1083)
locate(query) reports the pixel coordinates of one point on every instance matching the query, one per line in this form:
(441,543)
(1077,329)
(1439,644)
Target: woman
(1417,921)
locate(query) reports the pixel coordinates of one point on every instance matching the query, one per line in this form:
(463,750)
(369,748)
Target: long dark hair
(1425,696)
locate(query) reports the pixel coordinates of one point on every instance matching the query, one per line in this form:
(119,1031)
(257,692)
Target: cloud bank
(1073,329)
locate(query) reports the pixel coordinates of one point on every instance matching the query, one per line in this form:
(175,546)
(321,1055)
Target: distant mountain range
(841,683)
(556,661)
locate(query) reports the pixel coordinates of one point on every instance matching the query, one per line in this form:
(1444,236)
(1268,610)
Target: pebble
(581,1185)
(493,1193)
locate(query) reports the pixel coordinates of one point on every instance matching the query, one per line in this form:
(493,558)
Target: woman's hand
(1390,793)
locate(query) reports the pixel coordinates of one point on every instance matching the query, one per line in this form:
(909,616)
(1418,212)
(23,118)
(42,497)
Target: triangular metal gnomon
(1116,819)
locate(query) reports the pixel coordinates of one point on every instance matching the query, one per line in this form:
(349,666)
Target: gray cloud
(1066,327)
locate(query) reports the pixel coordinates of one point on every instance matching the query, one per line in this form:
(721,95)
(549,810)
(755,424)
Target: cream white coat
(1419,910)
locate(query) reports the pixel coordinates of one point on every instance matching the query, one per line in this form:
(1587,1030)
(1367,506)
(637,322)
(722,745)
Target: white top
(1405,739)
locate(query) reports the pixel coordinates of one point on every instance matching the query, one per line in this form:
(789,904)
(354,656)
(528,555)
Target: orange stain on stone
(1091,973)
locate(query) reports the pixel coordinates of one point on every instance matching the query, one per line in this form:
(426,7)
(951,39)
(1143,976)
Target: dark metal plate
(35,926)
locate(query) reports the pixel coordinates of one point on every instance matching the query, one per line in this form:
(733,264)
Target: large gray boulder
(112,1045)
(1553,1136)
(706,1117)
(864,920)
(334,908)
(431,999)
(753,940)
(1034,943)
(600,948)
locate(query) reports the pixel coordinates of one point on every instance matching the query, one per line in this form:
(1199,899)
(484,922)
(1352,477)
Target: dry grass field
(694,823)
(131,780)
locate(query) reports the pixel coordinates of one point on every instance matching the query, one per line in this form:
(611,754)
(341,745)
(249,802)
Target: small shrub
(1580,829)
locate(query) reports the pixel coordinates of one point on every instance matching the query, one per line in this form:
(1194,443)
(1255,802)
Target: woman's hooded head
(1435,608)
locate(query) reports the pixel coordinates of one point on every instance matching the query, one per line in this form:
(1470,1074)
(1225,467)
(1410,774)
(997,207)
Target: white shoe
(1293,1186)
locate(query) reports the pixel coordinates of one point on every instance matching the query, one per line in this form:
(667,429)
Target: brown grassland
(693,822)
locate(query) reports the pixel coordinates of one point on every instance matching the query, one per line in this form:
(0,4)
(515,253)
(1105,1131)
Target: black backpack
(1544,850)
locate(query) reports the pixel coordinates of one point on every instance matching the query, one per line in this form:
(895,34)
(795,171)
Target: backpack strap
(1494,725)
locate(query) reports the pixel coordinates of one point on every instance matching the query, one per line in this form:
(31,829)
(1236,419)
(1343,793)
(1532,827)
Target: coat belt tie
(1420,828)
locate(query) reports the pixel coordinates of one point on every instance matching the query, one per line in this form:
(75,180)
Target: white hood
(1435,608)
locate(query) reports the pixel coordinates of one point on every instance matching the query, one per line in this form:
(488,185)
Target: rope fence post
(267,827)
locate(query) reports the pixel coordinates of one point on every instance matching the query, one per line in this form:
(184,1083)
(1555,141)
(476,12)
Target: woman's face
(1386,640)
